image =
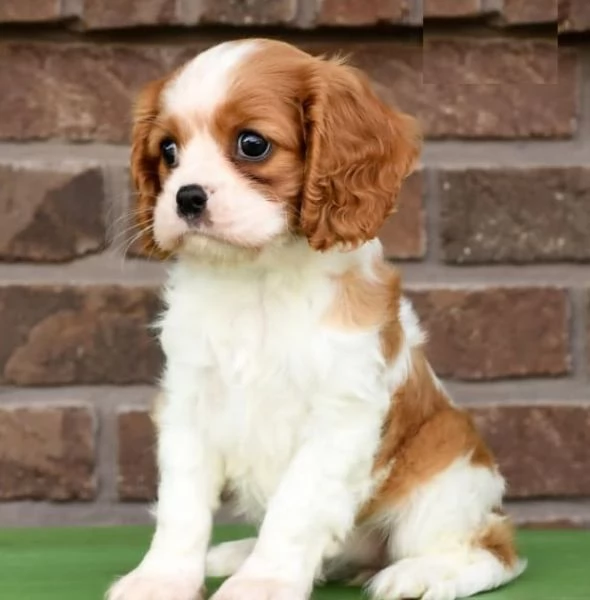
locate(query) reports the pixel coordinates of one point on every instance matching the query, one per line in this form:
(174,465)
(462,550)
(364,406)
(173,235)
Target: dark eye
(252,146)
(169,151)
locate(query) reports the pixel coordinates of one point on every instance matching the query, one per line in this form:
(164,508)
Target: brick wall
(493,235)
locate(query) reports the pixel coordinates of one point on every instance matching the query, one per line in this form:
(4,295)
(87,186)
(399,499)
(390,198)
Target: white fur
(441,576)
(160,577)
(436,528)
(446,511)
(245,588)
(236,212)
(203,82)
(410,324)
(272,408)
(397,374)
(227,558)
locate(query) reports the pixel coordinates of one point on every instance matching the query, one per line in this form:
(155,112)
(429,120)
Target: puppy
(295,376)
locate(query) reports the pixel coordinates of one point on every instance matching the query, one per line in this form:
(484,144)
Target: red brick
(502,110)
(500,215)
(437,9)
(478,110)
(542,449)
(91,88)
(524,11)
(28,11)
(47,453)
(515,12)
(403,236)
(395,69)
(239,12)
(137,478)
(48,214)
(55,334)
(574,15)
(459,61)
(361,12)
(128,13)
(493,333)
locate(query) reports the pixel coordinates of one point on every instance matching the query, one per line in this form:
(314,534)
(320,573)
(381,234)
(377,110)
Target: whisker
(132,229)
(126,238)
(135,238)
(129,216)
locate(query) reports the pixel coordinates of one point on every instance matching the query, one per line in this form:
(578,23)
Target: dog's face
(255,142)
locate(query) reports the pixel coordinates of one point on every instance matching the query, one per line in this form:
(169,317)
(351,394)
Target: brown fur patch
(498,539)
(391,332)
(359,150)
(362,302)
(422,435)
(266,96)
(147,167)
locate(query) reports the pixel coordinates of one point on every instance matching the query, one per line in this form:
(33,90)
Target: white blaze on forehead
(202,84)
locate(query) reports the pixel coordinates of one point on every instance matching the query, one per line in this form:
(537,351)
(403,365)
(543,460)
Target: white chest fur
(247,352)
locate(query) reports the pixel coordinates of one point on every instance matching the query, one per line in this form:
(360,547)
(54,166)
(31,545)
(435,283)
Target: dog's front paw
(169,582)
(246,588)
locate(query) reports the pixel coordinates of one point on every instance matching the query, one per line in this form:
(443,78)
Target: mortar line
(114,399)
(48,514)
(109,268)
(107,444)
(109,397)
(457,153)
(576,511)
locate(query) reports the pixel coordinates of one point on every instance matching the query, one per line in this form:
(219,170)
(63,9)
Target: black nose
(191,201)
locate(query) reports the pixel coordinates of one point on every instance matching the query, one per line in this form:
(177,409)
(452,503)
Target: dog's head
(256,142)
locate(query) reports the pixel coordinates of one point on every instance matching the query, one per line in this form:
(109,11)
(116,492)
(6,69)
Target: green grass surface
(79,564)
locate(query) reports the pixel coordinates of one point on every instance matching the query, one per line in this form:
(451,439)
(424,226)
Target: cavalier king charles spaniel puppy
(295,375)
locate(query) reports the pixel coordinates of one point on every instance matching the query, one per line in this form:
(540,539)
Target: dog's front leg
(313,508)
(188,491)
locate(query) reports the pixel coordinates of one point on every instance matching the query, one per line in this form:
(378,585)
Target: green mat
(79,564)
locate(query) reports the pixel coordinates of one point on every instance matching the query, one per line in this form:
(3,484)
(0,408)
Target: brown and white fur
(295,376)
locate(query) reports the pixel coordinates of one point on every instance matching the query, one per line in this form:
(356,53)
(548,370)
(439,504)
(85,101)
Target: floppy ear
(145,164)
(358,151)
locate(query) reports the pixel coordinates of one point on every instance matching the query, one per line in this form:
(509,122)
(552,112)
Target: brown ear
(358,153)
(145,164)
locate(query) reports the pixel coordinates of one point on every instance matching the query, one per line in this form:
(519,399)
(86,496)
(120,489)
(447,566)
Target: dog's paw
(415,578)
(168,583)
(442,577)
(245,588)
